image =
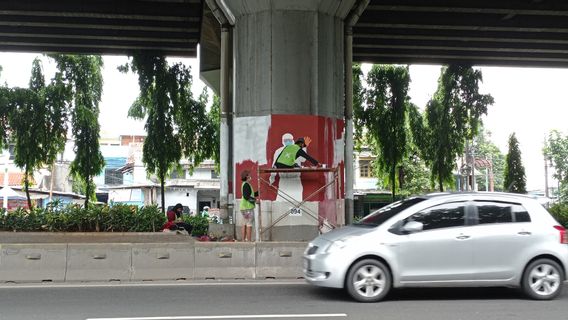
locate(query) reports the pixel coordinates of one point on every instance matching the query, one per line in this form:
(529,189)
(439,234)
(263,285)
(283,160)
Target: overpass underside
(479,32)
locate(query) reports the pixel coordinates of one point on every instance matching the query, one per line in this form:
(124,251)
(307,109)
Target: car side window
(490,212)
(446,215)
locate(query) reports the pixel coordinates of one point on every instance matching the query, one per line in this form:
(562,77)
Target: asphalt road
(263,300)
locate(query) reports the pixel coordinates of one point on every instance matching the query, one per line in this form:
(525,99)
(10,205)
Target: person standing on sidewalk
(247,205)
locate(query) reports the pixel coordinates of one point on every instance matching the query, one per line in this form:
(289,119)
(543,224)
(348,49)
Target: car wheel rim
(369,281)
(544,279)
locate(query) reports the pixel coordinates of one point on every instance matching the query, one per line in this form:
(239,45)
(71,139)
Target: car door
(442,251)
(503,232)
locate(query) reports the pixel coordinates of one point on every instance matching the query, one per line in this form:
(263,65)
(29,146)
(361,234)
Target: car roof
(480,194)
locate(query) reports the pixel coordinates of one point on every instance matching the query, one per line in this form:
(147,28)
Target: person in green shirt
(287,158)
(247,205)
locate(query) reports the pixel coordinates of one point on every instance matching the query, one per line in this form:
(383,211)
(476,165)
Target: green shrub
(74,218)
(200,224)
(15,220)
(560,212)
(149,219)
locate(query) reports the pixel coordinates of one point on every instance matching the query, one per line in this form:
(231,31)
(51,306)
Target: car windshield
(383,214)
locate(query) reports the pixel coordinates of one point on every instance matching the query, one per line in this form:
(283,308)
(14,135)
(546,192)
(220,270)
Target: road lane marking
(243,316)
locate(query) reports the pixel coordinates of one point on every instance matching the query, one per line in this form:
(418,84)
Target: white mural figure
(290,183)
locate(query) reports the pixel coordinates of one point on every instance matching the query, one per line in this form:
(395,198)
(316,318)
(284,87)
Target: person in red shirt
(174,224)
(171,221)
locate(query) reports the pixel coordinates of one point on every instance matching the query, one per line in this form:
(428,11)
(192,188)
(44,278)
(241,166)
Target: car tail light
(563,234)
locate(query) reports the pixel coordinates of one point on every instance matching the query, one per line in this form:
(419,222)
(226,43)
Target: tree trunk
(27,187)
(87,192)
(163,189)
(441,182)
(393,182)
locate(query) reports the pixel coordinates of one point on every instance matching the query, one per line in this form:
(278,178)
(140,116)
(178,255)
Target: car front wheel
(543,279)
(368,280)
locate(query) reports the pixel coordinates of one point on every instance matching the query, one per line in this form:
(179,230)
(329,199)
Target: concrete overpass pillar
(288,71)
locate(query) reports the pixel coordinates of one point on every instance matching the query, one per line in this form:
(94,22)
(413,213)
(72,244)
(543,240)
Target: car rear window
(385,213)
(490,212)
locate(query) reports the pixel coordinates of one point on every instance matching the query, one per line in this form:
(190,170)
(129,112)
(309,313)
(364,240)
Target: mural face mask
(288,142)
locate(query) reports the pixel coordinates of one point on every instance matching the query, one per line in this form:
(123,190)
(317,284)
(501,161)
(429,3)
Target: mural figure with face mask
(291,155)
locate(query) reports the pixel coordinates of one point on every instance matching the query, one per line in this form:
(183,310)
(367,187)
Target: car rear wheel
(543,279)
(368,280)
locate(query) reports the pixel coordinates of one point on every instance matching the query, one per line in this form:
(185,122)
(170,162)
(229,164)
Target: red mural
(325,136)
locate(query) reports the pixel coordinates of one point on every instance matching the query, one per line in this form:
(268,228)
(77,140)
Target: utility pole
(473,188)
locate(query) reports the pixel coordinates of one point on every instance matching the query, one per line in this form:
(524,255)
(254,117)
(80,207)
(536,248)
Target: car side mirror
(413,226)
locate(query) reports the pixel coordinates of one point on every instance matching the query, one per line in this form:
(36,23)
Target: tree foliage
(358,110)
(37,120)
(176,123)
(515,179)
(214,118)
(414,175)
(4,110)
(82,76)
(556,150)
(452,117)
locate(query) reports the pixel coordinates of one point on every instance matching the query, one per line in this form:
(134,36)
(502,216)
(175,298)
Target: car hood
(347,231)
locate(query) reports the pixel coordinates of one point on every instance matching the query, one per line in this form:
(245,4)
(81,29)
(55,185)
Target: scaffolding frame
(297,204)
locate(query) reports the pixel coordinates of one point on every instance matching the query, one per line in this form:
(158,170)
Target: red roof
(15,179)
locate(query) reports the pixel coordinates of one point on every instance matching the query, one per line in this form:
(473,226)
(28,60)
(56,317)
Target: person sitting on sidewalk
(174,220)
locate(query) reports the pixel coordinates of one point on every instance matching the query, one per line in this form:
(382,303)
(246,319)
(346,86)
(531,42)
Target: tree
(359,138)
(515,179)
(4,110)
(82,76)
(198,131)
(214,118)
(556,149)
(452,117)
(38,123)
(384,116)
(176,123)
(414,175)
(486,149)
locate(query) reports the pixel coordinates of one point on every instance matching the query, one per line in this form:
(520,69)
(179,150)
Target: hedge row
(125,218)
(73,218)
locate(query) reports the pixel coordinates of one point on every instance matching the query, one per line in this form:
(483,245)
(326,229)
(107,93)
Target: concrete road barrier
(224,260)
(171,261)
(279,260)
(32,262)
(138,257)
(98,262)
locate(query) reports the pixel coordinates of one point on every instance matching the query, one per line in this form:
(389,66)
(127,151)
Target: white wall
(185,196)
(200,174)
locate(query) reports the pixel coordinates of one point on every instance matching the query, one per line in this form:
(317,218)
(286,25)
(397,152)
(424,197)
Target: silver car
(444,240)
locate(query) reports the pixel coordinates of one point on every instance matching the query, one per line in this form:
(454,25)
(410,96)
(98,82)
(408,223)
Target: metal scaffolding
(335,183)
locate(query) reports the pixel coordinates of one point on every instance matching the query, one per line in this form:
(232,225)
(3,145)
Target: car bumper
(324,270)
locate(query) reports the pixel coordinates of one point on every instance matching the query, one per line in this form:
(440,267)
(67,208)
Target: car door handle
(524,233)
(462,237)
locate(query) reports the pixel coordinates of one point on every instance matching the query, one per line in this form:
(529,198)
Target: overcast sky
(529,102)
